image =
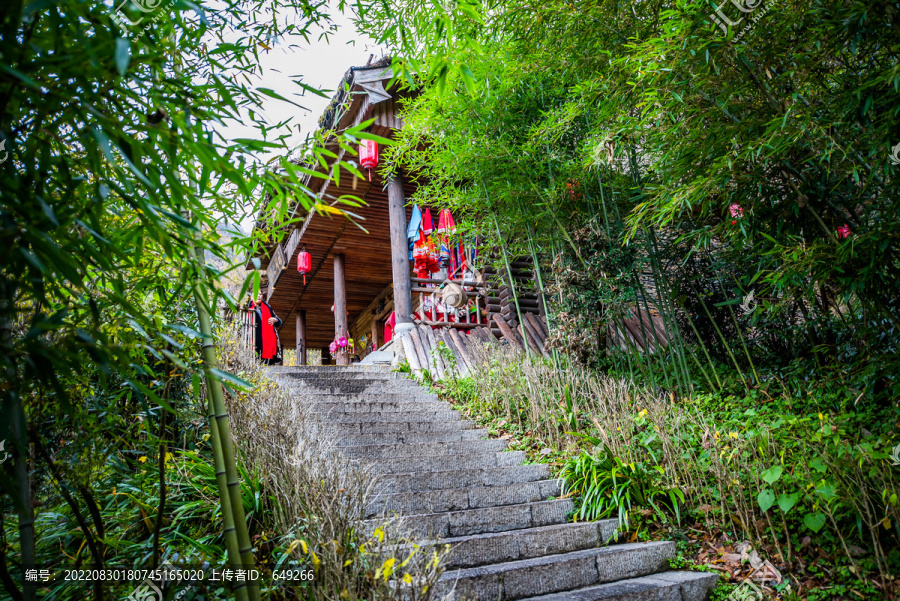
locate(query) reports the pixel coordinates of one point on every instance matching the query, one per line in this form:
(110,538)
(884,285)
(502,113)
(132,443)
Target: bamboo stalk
(231,540)
(512,282)
(23,502)
(219,422)
(19,434)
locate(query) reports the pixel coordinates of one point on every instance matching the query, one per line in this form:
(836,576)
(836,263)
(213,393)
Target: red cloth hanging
(269,340)
(389,326)
(427,222)
(448,222)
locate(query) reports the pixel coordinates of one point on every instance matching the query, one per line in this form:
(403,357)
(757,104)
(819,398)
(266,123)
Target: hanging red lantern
(304,262)
(368,155)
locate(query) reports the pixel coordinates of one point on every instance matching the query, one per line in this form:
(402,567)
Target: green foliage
(804,476)
(607,486)
(617,139)
(115,164)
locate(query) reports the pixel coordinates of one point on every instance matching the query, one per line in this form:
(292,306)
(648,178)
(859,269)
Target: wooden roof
(367,253)
(367,265)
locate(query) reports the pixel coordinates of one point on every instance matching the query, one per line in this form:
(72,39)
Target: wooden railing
(476,291)
(244,320)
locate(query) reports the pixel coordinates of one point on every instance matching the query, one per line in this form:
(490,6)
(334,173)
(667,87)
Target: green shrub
(606,486)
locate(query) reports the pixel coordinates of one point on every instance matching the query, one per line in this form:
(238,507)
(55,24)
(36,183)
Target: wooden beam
(340,305)
(419,348)
(411,356)
(507,332)
(460,347)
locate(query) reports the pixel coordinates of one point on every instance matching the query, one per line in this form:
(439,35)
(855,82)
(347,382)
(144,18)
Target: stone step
(665,586)
(425,449)
(371,392)
(554,573)
(378,406)
(355,368)
(500,547)
(349,376)
(340,430)
(460,499)
(345,417)
(494,476)
(402,397)
(355,440)
(435,463)
(361,378)
(372,372)
(480,521)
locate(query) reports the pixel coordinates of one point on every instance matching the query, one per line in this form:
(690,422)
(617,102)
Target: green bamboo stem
(724,341)
(667,311)
(737,328)
(703,371)
(671,326)
(19,435)
(647,352)
(512,285)
(23,503)
(540,278)
(231,540)
(712,366)
(220,423)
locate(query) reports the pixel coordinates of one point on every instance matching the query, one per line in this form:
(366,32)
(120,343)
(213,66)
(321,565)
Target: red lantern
(304,262)
(368,155)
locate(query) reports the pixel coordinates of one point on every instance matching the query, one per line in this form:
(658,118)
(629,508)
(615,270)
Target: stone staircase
(451,484)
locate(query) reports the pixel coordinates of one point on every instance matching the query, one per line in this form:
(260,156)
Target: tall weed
(780,478)
(316,496)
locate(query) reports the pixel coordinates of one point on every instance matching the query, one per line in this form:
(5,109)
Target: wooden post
(301,337)
(375,328)
(399,256)
(340,305)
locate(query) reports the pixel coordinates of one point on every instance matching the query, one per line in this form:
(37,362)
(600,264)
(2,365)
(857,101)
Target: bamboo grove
(661,165)
(116,191)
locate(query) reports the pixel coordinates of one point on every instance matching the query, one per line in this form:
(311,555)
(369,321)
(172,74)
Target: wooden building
(358,278)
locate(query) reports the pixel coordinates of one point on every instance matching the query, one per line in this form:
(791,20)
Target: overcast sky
(319,64)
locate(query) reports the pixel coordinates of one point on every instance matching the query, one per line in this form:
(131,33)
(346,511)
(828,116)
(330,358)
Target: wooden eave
(364,238)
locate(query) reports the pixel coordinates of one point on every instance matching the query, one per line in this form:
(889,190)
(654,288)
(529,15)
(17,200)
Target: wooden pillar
(375,336)
(340,305)
(301,337)
(399,256)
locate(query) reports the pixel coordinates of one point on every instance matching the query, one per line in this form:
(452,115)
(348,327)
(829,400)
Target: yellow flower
(407,579)
(386,569)
(734,435)
(143,459)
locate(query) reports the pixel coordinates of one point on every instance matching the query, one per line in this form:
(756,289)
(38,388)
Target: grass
(808,489)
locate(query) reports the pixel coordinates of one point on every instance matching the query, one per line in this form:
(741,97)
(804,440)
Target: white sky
(319,64)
